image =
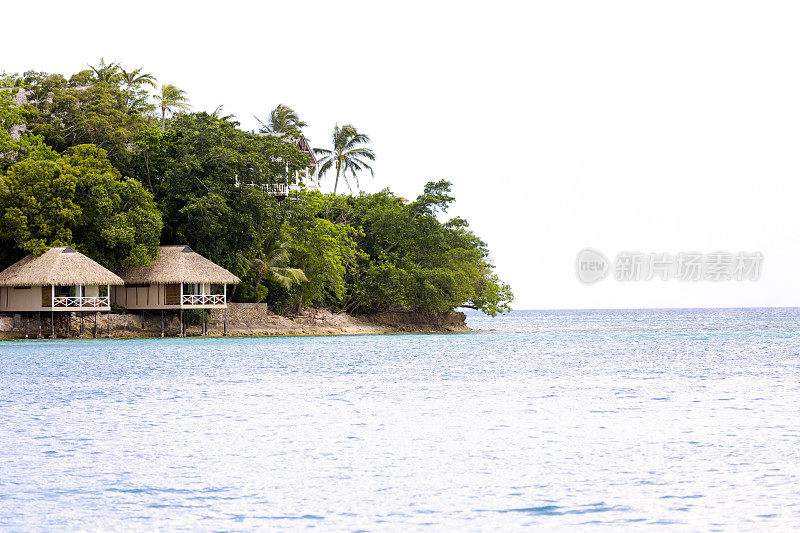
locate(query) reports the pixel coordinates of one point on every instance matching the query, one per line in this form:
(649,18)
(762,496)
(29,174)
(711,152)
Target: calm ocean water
(662,419)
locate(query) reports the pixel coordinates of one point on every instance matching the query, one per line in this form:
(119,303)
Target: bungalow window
(72,291)
(192,289)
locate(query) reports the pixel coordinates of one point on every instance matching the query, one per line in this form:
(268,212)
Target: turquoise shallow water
(684,420)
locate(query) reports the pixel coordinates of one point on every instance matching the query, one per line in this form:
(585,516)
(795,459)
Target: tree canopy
(78,199)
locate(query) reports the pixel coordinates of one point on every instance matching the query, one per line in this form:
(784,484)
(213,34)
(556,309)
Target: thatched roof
(178,264)
(57,266)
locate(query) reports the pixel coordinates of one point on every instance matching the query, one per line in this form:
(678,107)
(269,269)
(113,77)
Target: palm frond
(287,276)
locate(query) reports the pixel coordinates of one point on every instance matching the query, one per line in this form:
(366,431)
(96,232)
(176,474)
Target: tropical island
(110,164)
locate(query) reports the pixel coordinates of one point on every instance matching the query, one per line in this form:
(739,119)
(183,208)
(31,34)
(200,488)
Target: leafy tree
(325,252)
(80,200)
(171,99)
(282,119)
(119,220)
(414,260)
(81,110)
(37,204)
(348,155)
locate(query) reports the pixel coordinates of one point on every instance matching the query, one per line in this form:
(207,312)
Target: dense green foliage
(99,167)
(77,199)
(81,110)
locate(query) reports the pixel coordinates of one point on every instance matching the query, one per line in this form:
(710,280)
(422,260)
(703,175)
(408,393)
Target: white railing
(81,301)
(203,299)
(278,189)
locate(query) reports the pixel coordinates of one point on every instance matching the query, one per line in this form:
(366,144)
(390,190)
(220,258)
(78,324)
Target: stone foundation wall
(122,325)
(243,312)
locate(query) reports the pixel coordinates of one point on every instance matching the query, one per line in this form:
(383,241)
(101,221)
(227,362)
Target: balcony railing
(278,190)
(81,301)
(203,299)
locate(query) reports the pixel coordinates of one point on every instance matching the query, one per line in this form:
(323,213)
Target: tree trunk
(258,284)
(336,183)
(163,118)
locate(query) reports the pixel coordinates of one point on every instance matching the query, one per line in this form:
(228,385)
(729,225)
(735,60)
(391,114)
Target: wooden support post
(52,325)
(162,323)
(225,311)
(94,331)
(205,323)
(142,318)
(81,330)
(39,336)
(108,325)
(26,325)
(183,331)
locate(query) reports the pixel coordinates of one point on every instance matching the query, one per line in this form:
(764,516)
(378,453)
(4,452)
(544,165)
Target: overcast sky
(621,126)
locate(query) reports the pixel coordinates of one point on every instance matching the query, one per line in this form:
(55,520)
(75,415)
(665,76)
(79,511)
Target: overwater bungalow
(177,280)
(58,281)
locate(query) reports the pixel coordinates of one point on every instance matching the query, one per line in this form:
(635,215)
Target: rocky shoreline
(244,320)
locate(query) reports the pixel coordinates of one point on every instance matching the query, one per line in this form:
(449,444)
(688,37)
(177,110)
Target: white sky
(647,126)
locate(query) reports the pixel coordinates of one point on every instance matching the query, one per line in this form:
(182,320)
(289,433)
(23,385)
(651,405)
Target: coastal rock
(412,320)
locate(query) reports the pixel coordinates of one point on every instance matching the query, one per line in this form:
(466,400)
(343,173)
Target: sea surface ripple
(569,420)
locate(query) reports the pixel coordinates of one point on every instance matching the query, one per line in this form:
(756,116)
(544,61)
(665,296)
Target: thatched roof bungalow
(60,279)
(179,278)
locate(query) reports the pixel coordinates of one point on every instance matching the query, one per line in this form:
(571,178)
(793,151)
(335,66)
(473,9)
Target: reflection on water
(664,418)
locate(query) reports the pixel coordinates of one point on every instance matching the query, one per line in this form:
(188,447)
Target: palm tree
(282,119)
(348,155)
(171,99)
(217,113)
(273,266)
(107,72)
(135,78)
(136,99)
